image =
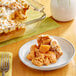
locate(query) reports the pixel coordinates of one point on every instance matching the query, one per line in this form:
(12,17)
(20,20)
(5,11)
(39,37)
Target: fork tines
(5,62)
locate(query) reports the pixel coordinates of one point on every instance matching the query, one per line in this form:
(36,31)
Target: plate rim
(48,68)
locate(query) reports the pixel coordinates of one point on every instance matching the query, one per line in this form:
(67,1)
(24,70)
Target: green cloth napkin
(45,25)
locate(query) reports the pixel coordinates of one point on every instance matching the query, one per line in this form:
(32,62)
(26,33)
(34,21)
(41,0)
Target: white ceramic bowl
(68,53)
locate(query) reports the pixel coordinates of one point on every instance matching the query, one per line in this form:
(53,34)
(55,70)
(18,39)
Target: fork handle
(3,73)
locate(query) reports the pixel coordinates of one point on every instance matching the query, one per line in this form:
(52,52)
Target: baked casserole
(11,14)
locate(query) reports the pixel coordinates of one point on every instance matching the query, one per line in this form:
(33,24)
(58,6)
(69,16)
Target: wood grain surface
(67,31)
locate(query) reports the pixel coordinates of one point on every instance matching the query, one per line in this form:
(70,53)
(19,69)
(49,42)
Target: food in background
(12,12)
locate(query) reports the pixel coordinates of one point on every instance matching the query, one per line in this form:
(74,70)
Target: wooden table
(67,31)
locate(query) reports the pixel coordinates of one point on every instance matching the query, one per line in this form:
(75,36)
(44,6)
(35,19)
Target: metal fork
(4,63)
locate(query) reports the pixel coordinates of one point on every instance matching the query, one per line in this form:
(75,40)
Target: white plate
(68,53)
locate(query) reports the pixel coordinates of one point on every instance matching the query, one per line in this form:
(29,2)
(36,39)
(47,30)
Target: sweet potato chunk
(46,61)
(31,55)
(46,42)
(33,47)
(51,56)
(44,48)
(39,54)
(57,50)
(37,61)
(45,39)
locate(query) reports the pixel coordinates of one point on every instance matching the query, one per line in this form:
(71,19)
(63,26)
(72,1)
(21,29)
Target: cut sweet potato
(44,48)
(52,57)
(46,61)
(57,50)
(33,47)
(37,61)
(46,42)
(31,55)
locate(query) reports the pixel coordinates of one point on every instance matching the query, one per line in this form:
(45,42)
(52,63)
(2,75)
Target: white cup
(63,10)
